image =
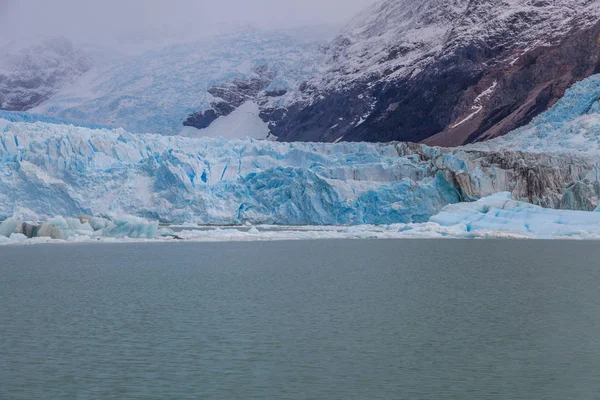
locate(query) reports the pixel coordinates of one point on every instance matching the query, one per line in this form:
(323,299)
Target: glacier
(52,169)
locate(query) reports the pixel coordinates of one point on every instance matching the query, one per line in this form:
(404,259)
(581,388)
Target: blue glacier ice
(52,169)
(17,116)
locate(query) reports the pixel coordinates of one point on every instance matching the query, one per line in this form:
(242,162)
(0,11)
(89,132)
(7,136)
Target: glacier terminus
(111,173)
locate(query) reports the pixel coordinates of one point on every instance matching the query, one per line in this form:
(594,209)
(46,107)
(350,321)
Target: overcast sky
(98,20)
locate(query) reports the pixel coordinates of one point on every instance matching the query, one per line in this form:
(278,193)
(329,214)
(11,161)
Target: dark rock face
(534,83)
(476,88)
(275,92)
(232,95)
(201,119)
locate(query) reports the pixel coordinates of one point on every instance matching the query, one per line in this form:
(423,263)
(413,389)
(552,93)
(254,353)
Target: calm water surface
(301,320)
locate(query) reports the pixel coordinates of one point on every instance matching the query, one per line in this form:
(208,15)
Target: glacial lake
(331,319)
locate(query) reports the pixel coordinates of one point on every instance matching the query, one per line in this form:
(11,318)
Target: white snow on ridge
(398,38)
(478,104)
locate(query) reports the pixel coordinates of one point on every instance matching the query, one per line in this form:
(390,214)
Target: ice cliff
(51,170)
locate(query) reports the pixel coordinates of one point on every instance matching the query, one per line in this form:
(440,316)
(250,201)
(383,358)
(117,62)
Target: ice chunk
(18,237)
(498,214)
(98,223)
(8,227)
(55,228)
(131,227)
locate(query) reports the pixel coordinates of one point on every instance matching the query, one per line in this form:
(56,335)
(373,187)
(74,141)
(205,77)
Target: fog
(105,20)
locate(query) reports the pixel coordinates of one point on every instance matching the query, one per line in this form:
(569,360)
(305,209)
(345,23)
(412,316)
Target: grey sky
(98,20)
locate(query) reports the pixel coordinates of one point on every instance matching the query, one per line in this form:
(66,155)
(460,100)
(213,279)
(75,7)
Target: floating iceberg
(498,214)
(131,227)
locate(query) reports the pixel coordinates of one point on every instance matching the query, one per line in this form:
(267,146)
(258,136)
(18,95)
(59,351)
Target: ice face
(52,169)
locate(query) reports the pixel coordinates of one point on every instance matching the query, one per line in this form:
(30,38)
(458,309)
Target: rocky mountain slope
(195,82)
(444,72)
(31,73)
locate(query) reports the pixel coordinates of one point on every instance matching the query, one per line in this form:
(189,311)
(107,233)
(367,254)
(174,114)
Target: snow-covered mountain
(431,71)
(158,90)
(31,72)
(448,72)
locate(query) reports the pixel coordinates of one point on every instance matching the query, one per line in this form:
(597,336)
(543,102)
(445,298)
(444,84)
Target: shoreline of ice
(494,217)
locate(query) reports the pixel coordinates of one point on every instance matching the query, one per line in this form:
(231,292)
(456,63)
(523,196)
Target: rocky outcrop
(230,96)
(445,72)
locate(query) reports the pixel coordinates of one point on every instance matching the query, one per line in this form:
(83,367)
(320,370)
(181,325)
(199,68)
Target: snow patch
(477,104)
(243,122)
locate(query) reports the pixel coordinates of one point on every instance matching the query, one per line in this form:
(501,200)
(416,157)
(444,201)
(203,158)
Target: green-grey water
(340,319)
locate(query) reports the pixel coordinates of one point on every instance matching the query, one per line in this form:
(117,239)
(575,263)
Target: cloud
(100,20)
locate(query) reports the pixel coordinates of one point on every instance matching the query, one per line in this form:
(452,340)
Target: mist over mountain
(439,72)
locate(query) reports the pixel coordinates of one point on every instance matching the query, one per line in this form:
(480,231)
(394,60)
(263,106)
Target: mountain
(431,71)
(195,82)
(32,72)
(444,72)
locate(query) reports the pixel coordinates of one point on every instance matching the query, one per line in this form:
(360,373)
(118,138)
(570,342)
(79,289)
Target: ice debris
(62,228)
(496,216)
